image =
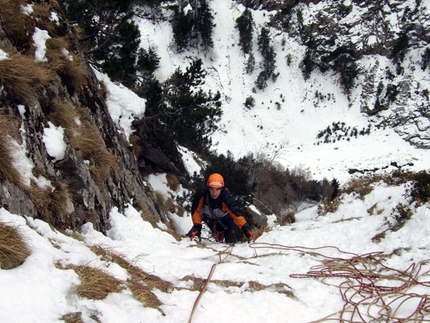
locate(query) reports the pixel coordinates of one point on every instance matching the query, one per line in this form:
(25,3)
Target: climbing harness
(215,217)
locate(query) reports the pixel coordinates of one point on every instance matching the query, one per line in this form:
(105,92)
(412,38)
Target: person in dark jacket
(215,206)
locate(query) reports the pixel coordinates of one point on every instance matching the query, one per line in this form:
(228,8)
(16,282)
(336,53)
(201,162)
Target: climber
(214,205)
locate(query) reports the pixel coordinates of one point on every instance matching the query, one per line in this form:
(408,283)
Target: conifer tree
(181,26)
(269,62)
(110,38)
(204,25)
(245,24)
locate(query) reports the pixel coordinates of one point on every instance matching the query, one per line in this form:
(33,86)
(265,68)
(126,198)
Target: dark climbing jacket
(205,207)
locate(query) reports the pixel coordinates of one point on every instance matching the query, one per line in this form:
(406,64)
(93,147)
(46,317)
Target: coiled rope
(372,291)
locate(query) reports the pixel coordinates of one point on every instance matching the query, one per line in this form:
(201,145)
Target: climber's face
(215,192)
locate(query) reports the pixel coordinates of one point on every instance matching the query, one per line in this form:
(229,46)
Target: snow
(3,54)
(47,293)
(40,37)
(124,105)
(250,282)
(53,138)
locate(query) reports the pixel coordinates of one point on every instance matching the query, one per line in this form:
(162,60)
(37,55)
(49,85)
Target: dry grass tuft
(19,74)
(7,170)
(75,317)
(54,206)
(64,115)
(15,23)
(361,186)
(66,64)
(141,283)
(95,283)
(328,206)
(42,13)
(88,141)
(173,181)
(13,248)
(198,284)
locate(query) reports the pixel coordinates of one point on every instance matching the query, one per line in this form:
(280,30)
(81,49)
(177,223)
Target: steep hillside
(348,73)
(62,158)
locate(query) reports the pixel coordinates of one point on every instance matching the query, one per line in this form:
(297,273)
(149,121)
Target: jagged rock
(79,190)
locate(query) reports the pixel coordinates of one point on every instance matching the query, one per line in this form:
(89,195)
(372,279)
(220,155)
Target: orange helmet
(216,181)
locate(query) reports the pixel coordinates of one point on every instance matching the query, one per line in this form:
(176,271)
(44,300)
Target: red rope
(366,295)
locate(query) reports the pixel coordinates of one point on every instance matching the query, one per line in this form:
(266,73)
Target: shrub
(250,102)
(308,64)
(148,60)
(401,213)
(420,192)
(13,248)
(328,206)
(361,186)
(286,218)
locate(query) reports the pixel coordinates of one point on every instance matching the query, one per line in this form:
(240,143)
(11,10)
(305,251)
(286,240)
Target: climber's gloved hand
(196,230)
(248,233)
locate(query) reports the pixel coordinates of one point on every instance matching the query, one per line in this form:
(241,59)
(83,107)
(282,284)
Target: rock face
(99,170)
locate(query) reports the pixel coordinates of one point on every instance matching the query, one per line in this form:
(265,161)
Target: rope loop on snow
(371,290)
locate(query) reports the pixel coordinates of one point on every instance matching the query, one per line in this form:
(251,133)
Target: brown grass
(42,12)
(67,65)
(19,74)
(253,285)
(7,170)
(95,283)
(137,147)
(13,248)
(16,24)
(328,206)
(64,115)
(86,139)
(75,317)
(54,206)
(91,146)
(361,186)
(173,181)
(140,283)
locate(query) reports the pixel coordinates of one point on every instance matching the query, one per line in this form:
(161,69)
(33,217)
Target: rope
(227,251)
(365,292)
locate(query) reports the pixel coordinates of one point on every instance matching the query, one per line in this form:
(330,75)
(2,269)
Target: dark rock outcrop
(99,171)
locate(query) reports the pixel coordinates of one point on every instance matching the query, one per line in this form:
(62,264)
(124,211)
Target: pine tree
(148,60)
(204,25)
(181,26)
(110,37)
(269,56)
(245,24)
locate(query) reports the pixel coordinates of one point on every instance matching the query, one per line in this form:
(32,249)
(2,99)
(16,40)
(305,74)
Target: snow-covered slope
(384,279)
(319,267)
(289,114)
